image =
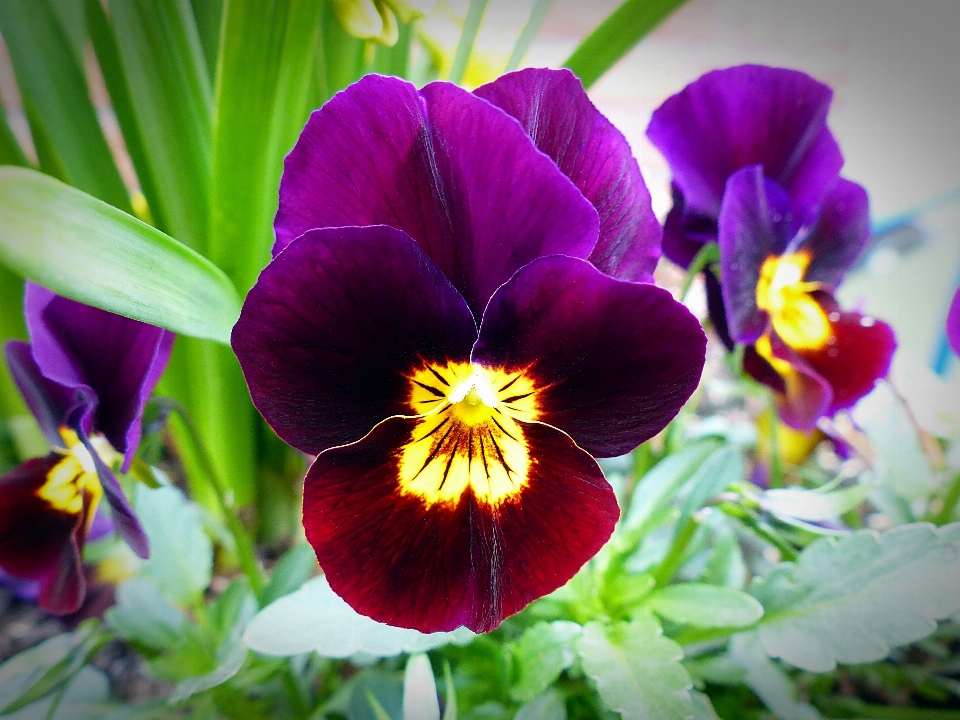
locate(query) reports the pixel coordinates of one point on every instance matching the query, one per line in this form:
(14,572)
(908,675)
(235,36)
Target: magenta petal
(453,172)
(748,115)
(106,359)
(336,323)
(953,323)
(755,223)
(613,361)
(839,235)
(435,567)
(562,122)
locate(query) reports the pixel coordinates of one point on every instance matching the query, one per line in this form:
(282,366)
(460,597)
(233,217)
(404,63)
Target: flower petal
(49,402)
(456,174)
(105,358)
(613,362)
(63,589)
(756,222)
(121,512)
(395,558)
(953,323)
(685,233)
(803,395)
(840,234)
(336,323)
(745,115)
(558,116)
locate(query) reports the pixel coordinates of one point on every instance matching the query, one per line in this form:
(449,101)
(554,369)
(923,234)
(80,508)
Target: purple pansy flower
(86,376)
(435,328)
(953,323)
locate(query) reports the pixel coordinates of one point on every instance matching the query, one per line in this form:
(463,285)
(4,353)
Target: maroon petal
(803,395)
(840,234)
(953,323)
(756,222)
(63,589)
(558,116)
(403,561)
(456,174)
(748,115)
(612,362)
(105,358)
(335,325)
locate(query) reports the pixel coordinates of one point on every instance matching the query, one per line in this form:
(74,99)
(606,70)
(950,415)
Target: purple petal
(755,222)
(685,233)
(562,122)
(106,358)
(613,362)
(50,402)
(953,323)
(805,395)
(715,308)
(335,325)
(840,234)
(748,115)
(456,174)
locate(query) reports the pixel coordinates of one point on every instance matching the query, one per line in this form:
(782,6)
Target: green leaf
(181,554)
(811,505)
(625,27)
(84,698)
(142,615)
(542,653)
(420,690)
(385,689)
(537,15)
(208,15)
(86,250)
(468,36)
(10,151)
(637,671)
(549,706)
(172,102)
(852,600)
(296,565)
(262,101)
(706,606)
(702,707)
(450,711)
(770,683)
(724,467)
(315,618)
(67,136)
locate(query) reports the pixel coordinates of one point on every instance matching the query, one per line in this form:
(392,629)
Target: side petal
(685,233)
(803,395)
(453,172)
(748,115)
(561,120)
(612,362)
(953,323)
(756,222)
(335,325)
(840,234)
(49,402)
(112,360)
(432,568)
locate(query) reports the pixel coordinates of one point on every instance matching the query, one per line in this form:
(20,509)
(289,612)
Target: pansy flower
(86,376)
(953,323)
(435,328)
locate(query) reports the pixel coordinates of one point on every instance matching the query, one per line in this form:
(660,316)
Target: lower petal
(401,559)
(803,395)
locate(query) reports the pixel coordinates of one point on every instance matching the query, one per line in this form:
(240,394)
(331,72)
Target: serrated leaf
(770,683)
(142,615)
(705,605)
(541,654)
(314,618)
(702,707)
(293,570)
(852,600)
(89,251)
(637,671)
(549,706)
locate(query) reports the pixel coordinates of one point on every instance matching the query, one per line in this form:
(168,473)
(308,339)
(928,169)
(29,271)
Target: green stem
(530,30)
(673,560)
(245,551)
(706,256)
(776,471)
(468,36)
(950,500)
(734,511)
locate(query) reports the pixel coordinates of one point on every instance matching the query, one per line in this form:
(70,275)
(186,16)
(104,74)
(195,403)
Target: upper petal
(455,173)
(756,222)
(839,235)
(746,115)
(612,362)
(107,359)
(953,323)
(404,561)
(558,116)
(335,325)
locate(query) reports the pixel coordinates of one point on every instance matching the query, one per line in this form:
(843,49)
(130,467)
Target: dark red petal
(335,324)
(558,116)
(613,362)
(803,395)
(396,559)
(63,589)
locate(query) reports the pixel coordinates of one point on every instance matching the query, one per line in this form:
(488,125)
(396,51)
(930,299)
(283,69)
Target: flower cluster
(457,321)
(756,170)
(86,375)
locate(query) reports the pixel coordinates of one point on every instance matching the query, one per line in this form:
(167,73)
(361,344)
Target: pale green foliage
(705,605)
(420,690)
(541,654)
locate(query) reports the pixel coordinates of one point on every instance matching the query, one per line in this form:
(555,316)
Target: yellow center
(73,482)
(468,435)
(782,292)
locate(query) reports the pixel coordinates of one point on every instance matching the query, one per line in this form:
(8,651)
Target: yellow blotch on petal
(73,483)
(782,292)
(468,435)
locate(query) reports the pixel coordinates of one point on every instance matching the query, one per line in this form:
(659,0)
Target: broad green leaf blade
(420,690)
(625,27)
(11,328)
(264,83)
(724,467)
(706,606)
(637,671)
(68,138)
(852,600)
(315,618)
(768,680)
(10,151)
(208,15)
(84,249)
(172,101)
(542,653)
